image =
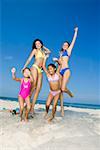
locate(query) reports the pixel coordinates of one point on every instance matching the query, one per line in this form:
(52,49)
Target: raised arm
(14,75)
(69,50)
(58,68)
(44,67)
(59,64)
(47,51)
(57,60)
(29,58)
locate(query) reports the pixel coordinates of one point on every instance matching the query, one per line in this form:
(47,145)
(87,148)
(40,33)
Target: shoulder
(22,79)
(68,52)
(34,50)
(29,80)
(57,74)
(48,75)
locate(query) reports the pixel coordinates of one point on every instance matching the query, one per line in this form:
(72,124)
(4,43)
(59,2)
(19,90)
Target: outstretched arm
(14,75)
(58,69)
(73,42)
(47,51)
(29,58)
(59,64)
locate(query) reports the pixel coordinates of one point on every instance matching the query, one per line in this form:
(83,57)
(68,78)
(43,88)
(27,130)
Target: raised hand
(46,56)
(76,29)
(13,70)
(55,59)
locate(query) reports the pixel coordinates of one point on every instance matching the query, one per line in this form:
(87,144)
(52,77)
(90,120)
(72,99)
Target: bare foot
(26,120)
(32,113)
(50,118)
(22,119)
(46,115)
(69,93)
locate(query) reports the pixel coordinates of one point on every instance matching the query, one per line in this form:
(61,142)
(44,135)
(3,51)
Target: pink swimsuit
(25,89)
(54,79)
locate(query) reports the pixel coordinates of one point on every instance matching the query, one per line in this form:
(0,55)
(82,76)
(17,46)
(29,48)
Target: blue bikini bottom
(62,71)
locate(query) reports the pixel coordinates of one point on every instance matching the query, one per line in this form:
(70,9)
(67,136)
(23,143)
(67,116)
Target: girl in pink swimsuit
(53,76)
(25,88)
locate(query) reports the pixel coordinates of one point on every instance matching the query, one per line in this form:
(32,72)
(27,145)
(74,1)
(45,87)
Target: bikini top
(53,79)
(39,55)
(64,53)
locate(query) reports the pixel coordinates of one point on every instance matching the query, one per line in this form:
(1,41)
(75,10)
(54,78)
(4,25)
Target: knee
(21,109)
(62,89)
(47,108)
(47,105)
(33,86)
(28,108)
(38,89)
(54,108)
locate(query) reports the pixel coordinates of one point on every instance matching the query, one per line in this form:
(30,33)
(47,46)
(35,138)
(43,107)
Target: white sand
(79,129)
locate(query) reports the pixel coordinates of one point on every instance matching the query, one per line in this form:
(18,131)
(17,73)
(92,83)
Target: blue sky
(52,21)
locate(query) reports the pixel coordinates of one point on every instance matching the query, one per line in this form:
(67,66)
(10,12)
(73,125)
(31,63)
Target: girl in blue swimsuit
(65,54)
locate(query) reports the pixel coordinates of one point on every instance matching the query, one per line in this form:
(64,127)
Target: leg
(61,99)
(61,104)
(64,82)
(49,100)
(27,100)
(21,104)
(38,88)
(54,107)
(69,92)
(35,76)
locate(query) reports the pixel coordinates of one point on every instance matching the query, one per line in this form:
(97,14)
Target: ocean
(76,105)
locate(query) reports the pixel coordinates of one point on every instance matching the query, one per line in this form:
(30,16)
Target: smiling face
(38,44)
(65,46)
(51,70)
(26,73)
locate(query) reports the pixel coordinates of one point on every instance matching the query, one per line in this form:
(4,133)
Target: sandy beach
(79,129)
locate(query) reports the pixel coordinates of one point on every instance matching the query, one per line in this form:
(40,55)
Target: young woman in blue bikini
(65,54)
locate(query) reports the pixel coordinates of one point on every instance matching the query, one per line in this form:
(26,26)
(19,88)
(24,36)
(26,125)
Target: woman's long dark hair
(68,45)
(34,45)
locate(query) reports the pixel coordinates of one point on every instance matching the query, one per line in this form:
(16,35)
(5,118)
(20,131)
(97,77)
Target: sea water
(77,105)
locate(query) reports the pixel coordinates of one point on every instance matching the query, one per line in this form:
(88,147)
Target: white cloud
(8,57)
